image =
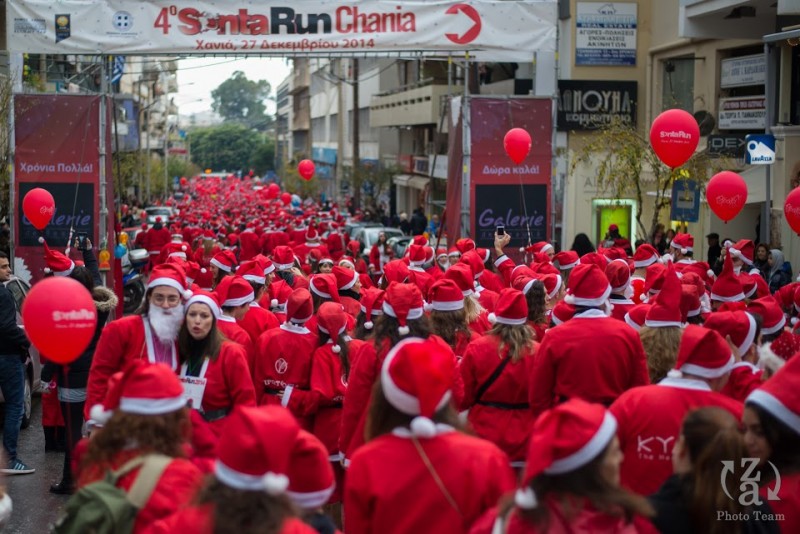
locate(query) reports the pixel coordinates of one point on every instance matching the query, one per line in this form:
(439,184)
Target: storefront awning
(412,181)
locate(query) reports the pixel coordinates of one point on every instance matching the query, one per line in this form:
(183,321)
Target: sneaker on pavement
(17,467)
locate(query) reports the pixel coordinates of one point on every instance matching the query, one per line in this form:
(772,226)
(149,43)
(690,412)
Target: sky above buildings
(197,77)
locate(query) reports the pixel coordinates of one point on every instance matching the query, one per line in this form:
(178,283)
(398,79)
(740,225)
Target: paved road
(34,506)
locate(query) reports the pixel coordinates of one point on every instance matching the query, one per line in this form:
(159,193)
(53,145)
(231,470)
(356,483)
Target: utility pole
(166,132)
(340,134)
(356,144)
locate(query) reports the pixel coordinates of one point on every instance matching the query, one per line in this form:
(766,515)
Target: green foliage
(5,150)
(263,157)
(226,147)
(241,100)
(625,166)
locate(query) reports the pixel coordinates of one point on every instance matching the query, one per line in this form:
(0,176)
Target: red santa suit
(302,250)
(231,330)
(390,490)
(229,383)
(622,306)
(200,520)
(486,297)
(788,503)
(258,320)
(637,284)
(155,240)
(492,281)
(205,279)
(502,414)
(592,357)
(351,306)
(744,378)
(378,258)
(178,485)
(122,341)
(248,245)
(335,244)
(283,364)
(481,324)
(649,422)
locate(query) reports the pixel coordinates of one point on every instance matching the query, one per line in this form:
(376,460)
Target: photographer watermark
(749,495)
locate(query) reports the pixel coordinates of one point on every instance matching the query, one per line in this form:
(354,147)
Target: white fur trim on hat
(255,278)
(525,498)
(774,329)
(413,313)
(447,305)
(577,301)
(509,321)
(405,402)
(166,281)
(241,301)
(661,324)
(208,301)
(312,499)
(645,263)
(735,298)
(750,337)
(588,452)
(775,407)
(220,265)
(272,483)
(703,372)
(99,414)
(738,253)
(351,283)
(142,406)
(631,322)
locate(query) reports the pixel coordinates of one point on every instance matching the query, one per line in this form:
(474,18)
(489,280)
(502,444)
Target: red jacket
(375,259)
(621,307)
(593,358)
(231,330)
(258,320)
(649,423)
(502,415)
(788,504)
(351,306)
(200,520)
(248,245)
(121,342)
(389,489)
(744,378)
(156,239)
(492,281)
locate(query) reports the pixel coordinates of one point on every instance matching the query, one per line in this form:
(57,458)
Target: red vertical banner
(502,192)
(56,139)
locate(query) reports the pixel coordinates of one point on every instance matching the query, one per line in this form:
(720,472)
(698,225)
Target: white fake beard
(166,323)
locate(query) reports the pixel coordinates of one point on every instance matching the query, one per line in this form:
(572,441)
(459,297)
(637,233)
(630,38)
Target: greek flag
(117,68)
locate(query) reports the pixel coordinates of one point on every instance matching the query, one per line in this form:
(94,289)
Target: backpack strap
(153,466)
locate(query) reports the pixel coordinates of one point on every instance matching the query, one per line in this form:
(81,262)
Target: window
(795,78)
(678,84)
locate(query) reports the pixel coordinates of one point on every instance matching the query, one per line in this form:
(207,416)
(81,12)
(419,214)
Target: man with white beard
(150,334)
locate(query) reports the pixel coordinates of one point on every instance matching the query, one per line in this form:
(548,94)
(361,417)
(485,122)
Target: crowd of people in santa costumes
(279,378)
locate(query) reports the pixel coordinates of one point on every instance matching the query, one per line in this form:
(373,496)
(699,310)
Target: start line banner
(487,29)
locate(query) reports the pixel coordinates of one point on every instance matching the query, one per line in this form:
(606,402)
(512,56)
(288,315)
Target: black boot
(65,487)
(50,441)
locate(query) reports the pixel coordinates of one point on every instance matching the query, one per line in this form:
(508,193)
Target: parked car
(368,235)
(351,226)
(33,364)
(165,212)
(400,244)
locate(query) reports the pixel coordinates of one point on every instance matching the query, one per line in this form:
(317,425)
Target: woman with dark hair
(71,379)
(370,307)
(496,373)
(379,255)
(403,316)
(214,371)
(571,479)
(761,260)
(247,492)
(536,298)
(447,315)
(416,456)
(145,429)
(771,421)
(692,499)
(223,264)
(582,245)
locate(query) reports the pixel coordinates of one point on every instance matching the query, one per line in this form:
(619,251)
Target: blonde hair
(519,339)
(473,308)
(661,348)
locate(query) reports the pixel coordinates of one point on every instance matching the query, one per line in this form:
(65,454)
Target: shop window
(678,84)
(617,211)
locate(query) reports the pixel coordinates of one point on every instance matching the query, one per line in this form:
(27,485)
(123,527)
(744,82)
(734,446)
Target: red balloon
(286,198)
(791,209)
(184,181)
(674,136)
(726,194)
(39,207)
(60,318)
(306,169)
(517,143)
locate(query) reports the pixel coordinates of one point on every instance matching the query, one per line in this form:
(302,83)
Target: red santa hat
(314,255)
(690,302)
(701,269)
(744,249)
(233,239)
(775,354)
(193,270)
(56,262)
(416,255)
(619,276)
(354,246)
(511,308)
(666,310)
(453,252)
(524,283)
(542,247)
(395,271)
(540,257)
(279,293)
(593,258)
(299,306)
(332,320)
(345,278)
(441,252)
(207,298)
(172,275)
(566,259)
(465,244)
(283,257)
(266,264)
(252,271)
(739,325)
(588,286)
(445,295)
(143,389)
(683,243)
(420,240)
(177,248)
(552,284)
(371,305)
(324,285)
(461,274)
(636,316)
(544,268)
(727,287)
(562,312)
(645,255)
(475,263)
(404,303)
(224,260)
(654,278)
(485,254)
(311,477)
(613,253)
(417,377)
(234,291)
(773,319)
(248,462)
(785,295)
(780,395)
(748,284)
(702,352)
(563,440)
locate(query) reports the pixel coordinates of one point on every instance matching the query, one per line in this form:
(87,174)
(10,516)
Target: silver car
(33,365)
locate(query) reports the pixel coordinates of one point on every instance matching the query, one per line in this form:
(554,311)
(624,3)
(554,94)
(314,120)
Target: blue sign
(760,149)
(685,201)
(324,155)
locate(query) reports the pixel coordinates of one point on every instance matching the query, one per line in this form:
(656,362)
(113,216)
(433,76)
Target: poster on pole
(606,34)
(488,29)
(56,140)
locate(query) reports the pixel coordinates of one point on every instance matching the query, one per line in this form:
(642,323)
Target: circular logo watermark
(122,21)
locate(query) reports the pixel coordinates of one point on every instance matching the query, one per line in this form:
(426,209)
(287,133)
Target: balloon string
(77,186)
(521,188)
